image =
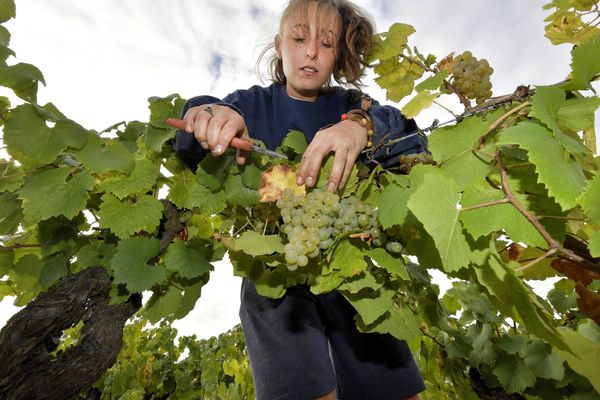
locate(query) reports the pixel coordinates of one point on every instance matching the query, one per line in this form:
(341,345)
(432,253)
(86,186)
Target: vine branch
(554,245)
(492,129)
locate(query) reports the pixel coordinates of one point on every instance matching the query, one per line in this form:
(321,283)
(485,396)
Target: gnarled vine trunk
(28,370)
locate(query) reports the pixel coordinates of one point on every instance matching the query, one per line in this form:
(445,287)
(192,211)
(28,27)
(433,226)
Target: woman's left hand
(346,139)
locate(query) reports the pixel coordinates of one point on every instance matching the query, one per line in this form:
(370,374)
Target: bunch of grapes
(472,76)
(407,161)
(312,222)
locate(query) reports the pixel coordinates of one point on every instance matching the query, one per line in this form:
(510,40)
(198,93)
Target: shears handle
(238,143)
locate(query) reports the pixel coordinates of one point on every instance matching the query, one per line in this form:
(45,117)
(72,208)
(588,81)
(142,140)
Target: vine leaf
(296,141)
(186,261)
(26,134)
(49,194)
(514,375)
(239,194)
(255,244)
(545,106)
(594,244)
(434,203)
(483,221)
(542,361)
(421,101)
(276,180)
(140,180)
(370,305)
(584,356)
(104,155)
(124,218)
(347,258)
(562,175)
(590,200)
(452,149)
(585,64)
(130,264)
(392,264)
(433,82)
(392,46)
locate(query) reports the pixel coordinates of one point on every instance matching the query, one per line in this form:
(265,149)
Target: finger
(313,165)
(337,170)
(350,161)
(229,130)
(213,132)
(199,129)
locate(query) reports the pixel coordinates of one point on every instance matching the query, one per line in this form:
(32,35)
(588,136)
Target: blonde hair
(354,43)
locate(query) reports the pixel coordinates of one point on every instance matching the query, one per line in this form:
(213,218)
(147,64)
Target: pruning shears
(238,143)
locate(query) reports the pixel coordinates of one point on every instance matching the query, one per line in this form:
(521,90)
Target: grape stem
(492,129)
(534,220)
(530,264)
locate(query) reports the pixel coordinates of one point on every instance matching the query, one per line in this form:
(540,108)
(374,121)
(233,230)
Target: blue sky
(103,59)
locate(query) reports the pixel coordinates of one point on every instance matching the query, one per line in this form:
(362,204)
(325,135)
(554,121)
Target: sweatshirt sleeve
(388,125)
(186,146)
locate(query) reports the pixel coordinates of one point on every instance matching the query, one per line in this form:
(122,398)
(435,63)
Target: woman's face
(307,52)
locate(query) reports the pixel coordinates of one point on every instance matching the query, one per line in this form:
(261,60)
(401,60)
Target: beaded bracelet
(364,119)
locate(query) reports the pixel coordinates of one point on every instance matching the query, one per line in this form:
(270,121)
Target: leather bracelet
(364,119)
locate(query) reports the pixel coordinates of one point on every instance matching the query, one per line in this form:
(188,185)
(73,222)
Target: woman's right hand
(214,126)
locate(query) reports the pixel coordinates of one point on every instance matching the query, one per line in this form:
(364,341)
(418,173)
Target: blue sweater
(270,114)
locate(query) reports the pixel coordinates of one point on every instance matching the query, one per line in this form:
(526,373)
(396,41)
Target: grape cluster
(312,222)
(472,76)
(407,161)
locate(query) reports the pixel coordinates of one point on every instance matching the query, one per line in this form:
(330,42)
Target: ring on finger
(209,110)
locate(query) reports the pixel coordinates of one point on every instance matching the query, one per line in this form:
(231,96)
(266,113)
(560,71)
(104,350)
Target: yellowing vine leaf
(275,180)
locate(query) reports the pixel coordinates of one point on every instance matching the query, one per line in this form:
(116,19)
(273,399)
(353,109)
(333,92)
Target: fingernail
(299,180)
(219,148)
(309,181)
(331,187)
(204,145)
(188,128)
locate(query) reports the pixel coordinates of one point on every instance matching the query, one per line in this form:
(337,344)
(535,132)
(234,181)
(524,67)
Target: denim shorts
(303,346)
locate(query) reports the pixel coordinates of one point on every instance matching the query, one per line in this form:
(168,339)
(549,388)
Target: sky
(102,60)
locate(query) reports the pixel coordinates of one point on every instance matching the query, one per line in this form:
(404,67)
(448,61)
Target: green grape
(393,247)
(472,77)
(302,260)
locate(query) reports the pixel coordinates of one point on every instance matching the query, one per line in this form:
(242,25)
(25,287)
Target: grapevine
(472,76)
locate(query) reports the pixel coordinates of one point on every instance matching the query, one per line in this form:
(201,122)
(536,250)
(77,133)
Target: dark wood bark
(28,370)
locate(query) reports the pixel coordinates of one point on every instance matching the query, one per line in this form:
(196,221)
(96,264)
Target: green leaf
(578,114)
(397,78)
(26,133)
(347,258)
(370,304)
(594,244)
(296,141)
(103,155)
(545,106)
(5,52)
(125,218)
(7,10)
(238,194)
(207,201)
(163,305)
(156,137)
(562,175)
(590,200)
(4,35)
(70,133)
(11,213)
(255,244)
(497,218)
(399,322)
(433,82)
(434,203)
(391,208)
(251,176)
(26,276)
(511,344)
(453,148)
(130,266)
(140,180)
(212,171)
(23,79)
(516,299)
(162,108)
(585,64)
(396,39)
(55,267)
(513,374)
(584,356)
(187,261)
(7,257)
(539,358)
(392,264)
(49,194)
(482,348)
(325,171)
(421,101)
